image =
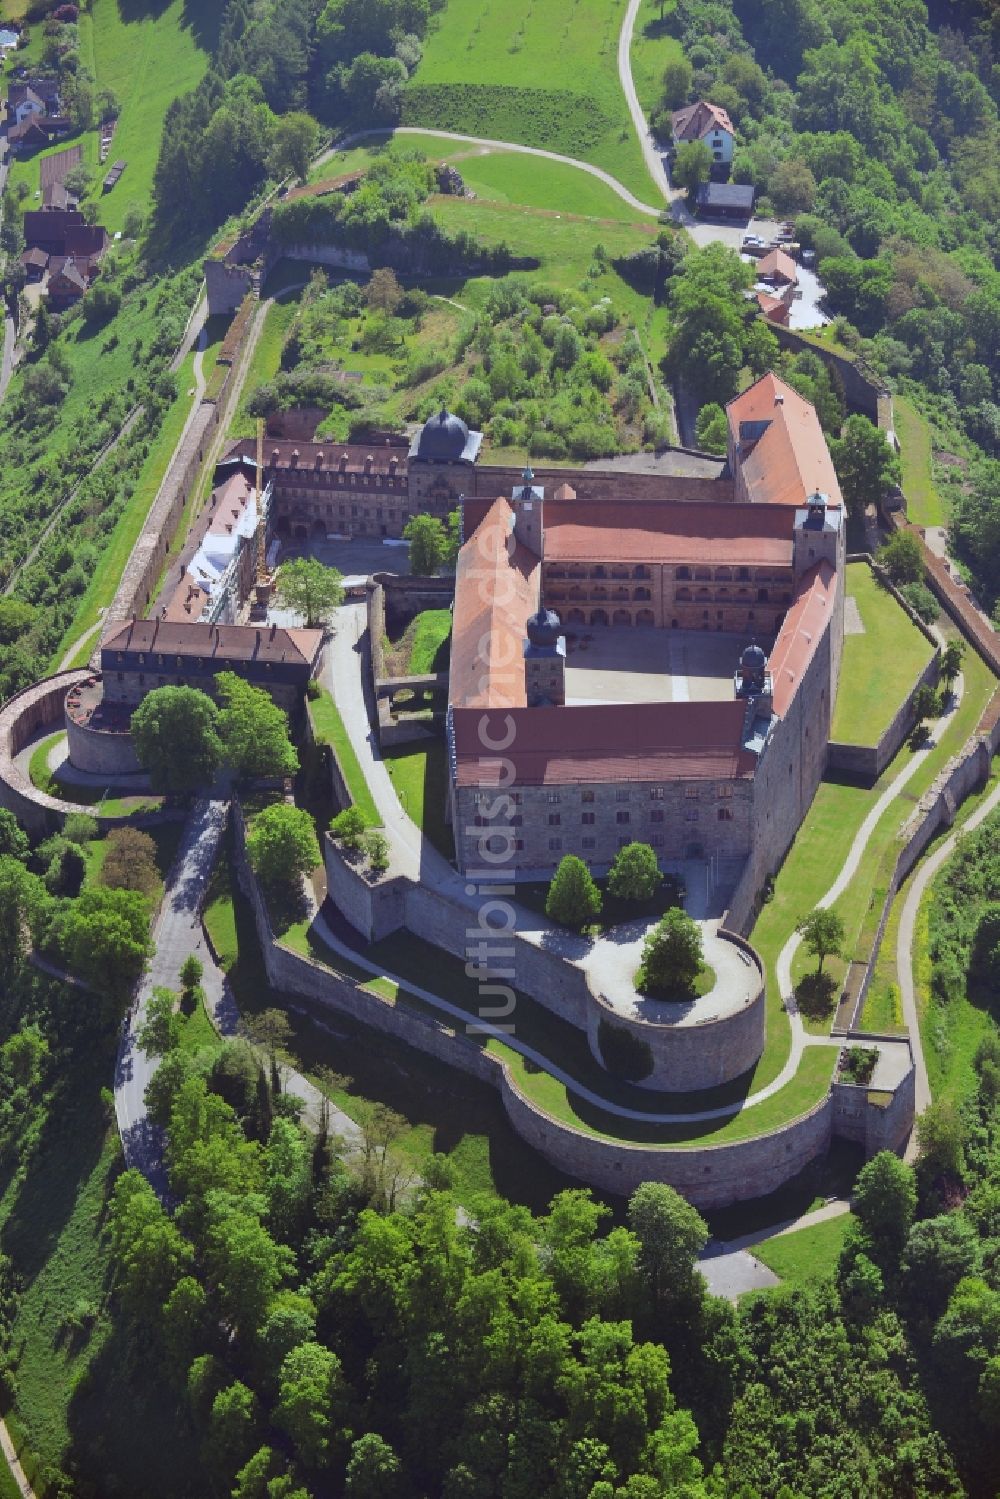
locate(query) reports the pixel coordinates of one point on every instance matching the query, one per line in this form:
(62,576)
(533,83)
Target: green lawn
(104,582)
(509,177)
(112,799)
(148,55)
(808,1255)
(431,630)
(924,505)
(544,75)
(329,726)
(880,667)
(652,49)
(419,774)
(266,360)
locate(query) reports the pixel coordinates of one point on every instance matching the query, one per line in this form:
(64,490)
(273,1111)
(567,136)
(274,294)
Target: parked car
(752,242)
(807,257)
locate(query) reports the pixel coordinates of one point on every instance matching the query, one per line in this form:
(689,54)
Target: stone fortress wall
(684,1057)
(708,1175)
(869,761)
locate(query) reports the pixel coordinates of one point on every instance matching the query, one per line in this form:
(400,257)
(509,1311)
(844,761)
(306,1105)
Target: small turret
(544,660)
(527,501)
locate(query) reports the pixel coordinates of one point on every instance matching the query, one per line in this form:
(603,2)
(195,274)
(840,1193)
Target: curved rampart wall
(688,1057)
(41,706)
(707,1175)
(98,751)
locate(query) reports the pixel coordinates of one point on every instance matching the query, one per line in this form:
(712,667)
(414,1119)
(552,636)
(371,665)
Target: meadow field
(544,74)
(147,56)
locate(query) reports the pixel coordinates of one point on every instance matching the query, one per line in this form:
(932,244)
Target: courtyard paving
(605,664)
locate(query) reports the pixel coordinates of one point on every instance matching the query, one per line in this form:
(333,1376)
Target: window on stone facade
(656,815)
(623,842)
(142,659)
(555,844)
(656,840)
(725,814)
(588,819)
(691,792)
(354,510)
(121,676)
(691,815)
(622,817)
(517,820)
(555,818)
(141,678)
(519,845)
(621,795)
(723,789)
(586,796)
(554,796)
(515,797)
(589,842)
(656,793)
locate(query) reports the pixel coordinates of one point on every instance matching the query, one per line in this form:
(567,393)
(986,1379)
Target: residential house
(777,268)
(705,122)
(33,96)
(775,308)
(59,241)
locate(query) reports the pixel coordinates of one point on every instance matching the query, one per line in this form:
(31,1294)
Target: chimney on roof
(779,399)
(273,628)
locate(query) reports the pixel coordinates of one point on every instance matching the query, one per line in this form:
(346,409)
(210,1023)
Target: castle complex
(653,669)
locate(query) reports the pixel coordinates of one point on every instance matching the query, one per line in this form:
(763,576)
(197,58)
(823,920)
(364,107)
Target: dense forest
(876,129)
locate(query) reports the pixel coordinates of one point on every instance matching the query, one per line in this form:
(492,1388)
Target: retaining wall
(709,1176)
(862,387)
(37,707)
(689,1057)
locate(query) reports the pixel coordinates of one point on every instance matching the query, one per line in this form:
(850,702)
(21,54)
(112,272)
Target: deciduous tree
(823,933)
(311,589)
(573,898)
(635,873)
(282,844)
(253,729)
(175,733)
(672,956)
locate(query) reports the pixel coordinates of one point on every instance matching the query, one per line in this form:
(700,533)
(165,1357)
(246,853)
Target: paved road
(904,949)
(650,150)
(17,1472)
(177,933)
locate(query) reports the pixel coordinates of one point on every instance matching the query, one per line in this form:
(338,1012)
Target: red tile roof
(777,265)
(496,589)
(773,307)
(696,120)
(670,531)
(325,457)
(790,460)
(221,643)
(604,742)
(801,632)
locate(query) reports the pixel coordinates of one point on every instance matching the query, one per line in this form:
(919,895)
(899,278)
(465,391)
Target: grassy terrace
(924,505)
(445,1111)
(104,583)
(110,799)
(807,1255)
(329,726)
(148,55)
(652,49)
(861,903)
(880,667)
(419,774)
(409,958)
(507,50)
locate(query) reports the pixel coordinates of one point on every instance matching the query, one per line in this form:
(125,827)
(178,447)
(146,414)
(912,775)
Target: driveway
(177,933)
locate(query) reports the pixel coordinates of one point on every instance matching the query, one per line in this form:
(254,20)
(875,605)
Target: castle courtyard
(606,664)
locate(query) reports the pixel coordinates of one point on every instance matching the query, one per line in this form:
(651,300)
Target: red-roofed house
(705,122)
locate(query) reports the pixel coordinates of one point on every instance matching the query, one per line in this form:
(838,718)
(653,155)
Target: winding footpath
(904,949)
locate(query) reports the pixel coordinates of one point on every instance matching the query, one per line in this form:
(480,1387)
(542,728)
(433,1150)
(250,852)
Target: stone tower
(545,660)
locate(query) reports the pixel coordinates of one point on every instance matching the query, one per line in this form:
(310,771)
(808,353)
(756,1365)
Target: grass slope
(808,1255)
(544,75)
(924,505)
(148,55)
(329,726)
(652,49)
(879,667)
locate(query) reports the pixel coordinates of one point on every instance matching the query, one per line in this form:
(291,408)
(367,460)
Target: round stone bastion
(701,1043)
(97,733)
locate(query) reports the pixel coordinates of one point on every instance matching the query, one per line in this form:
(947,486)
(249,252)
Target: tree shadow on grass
(67,1151)
(816,995)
